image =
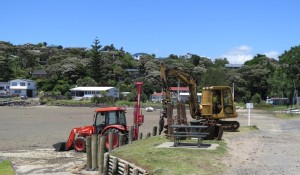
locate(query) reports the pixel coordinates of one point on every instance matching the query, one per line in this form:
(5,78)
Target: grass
(177,161)
(6,168)
(248,128)
(287,116)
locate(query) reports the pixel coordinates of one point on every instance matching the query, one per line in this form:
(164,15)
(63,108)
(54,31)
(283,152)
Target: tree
(96,61)
(256,79)
(5,68)
(290,61)
(220,62)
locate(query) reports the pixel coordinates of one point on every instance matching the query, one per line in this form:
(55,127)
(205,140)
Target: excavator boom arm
(187,79)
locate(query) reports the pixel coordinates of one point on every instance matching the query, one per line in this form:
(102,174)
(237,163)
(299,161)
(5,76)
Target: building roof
(23,80)
(233,65)
(179,88)
(91,88)
(39,72)
(157,94)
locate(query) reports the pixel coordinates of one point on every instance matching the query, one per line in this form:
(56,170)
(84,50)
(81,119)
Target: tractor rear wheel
(79,144)
(115,133)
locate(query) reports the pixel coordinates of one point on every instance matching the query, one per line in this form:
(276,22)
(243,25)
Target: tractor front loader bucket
(61,146)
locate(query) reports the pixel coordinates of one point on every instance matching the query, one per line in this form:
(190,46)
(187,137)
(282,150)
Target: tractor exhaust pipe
(61,146)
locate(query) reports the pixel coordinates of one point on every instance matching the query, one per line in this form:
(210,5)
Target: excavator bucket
(61,146)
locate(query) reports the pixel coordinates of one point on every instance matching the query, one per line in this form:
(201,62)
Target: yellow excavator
(216,104)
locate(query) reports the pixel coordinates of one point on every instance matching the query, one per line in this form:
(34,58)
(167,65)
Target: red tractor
(107,119)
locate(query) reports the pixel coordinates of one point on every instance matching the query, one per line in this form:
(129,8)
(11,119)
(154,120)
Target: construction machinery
(216,104)
(106,119)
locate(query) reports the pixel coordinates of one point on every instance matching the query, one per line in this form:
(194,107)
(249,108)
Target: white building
(22,87)
(184,96)
(89,92)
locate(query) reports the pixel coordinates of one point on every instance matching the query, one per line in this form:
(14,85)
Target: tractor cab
(111,116)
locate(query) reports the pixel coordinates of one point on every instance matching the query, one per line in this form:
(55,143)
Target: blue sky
(234,29)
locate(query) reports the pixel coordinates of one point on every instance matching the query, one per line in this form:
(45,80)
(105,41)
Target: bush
(256,99)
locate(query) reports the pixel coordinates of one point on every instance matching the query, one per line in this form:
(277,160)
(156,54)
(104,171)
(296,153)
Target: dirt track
(28,133)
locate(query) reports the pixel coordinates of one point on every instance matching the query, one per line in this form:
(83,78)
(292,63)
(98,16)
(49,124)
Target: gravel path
(273,149)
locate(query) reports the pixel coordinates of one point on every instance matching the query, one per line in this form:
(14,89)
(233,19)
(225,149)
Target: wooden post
(121,139)
(141,136)
(110,141)
(106,164)
(135,171)
(126,169)
(130,135)
(154,131)
(94,152)
(88,153)
(115,166)
(101,151)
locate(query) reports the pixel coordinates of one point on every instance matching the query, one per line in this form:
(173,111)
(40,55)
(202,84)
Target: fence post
(121,139)
(106,164)
(110,141)
(141,136)
(130,135)
(154,132)
(101,151)
(115,166)
(88,153)
(135,171)
(126,169)
(148,135)
(94,151)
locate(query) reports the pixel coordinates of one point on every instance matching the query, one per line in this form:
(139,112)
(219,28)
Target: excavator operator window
(227,102)
(217,103)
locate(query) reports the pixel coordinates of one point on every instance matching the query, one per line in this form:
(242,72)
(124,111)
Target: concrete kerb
(188,146)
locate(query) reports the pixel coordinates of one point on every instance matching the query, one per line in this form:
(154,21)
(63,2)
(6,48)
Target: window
(17,91)
(14,84)
(112,118)
(28,84)
(22,84)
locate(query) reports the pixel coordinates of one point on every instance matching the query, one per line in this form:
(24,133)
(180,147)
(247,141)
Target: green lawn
(6,168)
(177,161)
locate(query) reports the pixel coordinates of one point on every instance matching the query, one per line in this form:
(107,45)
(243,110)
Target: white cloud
(272,54)
(238,55)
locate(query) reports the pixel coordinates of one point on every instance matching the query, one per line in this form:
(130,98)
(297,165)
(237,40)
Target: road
(28,133)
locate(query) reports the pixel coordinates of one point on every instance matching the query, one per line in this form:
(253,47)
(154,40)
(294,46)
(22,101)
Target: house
(133,73)
(4,88)
(89,92)
(233,66)
(137,56)
(39,73)
(157,97)
(184,96)
(175,94)
(23,87)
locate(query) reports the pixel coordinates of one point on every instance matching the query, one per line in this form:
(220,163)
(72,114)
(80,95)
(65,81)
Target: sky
(232,29)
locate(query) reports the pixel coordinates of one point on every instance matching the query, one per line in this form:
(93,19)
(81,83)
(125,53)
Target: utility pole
(233,91)
(178,85)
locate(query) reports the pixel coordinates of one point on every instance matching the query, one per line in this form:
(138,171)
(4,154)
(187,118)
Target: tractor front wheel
(79,144)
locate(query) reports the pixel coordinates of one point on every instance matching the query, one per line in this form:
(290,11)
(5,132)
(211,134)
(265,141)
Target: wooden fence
(114,165)
(98,159)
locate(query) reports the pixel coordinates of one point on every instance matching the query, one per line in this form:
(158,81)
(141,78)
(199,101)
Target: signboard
(249,105)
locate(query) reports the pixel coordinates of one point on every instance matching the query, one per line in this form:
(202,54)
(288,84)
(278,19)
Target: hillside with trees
(65,68)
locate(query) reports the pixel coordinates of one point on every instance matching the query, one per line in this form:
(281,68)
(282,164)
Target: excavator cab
(217,102)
